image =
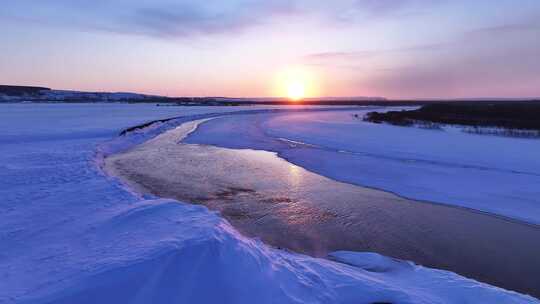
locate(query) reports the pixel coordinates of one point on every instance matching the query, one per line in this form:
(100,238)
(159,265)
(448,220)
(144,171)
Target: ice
(70,234)
(499,175)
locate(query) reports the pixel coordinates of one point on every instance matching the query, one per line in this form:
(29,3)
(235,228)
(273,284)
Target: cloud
(377,9)
(495,31)
(338,56)
(159,18)
(354,57)
(383,7)
(187,18)
(488,67)
(193,18)
(462,76)
(495,60)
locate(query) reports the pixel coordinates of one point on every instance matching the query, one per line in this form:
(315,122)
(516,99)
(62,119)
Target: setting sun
(296,83)
(296,91)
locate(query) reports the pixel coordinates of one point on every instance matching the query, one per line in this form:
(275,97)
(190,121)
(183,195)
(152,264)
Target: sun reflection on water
(295,175)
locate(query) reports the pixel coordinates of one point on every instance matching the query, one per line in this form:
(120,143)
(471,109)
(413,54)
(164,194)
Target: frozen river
(71,234)
(287,206)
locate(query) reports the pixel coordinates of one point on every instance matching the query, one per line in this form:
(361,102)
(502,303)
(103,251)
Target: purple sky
(392,48)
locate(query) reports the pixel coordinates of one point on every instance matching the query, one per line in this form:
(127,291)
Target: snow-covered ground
(69,234)
(63,96)
(499,175)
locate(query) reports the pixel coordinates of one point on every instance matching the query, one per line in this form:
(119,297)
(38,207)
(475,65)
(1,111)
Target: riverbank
(288,207)
(70,234)
(441,166)
(515,119)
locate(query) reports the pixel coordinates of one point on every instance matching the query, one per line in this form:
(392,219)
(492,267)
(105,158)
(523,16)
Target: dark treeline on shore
(509,115)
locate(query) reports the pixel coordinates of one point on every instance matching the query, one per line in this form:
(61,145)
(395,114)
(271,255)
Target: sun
(296,83)
(296,91)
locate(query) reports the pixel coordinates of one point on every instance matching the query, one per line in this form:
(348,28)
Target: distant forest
(21,90)
(519,115)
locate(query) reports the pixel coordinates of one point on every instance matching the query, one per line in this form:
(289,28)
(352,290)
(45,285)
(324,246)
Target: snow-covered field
(69,234)
(499,175)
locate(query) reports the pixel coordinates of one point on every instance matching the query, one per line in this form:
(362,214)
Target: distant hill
(35,94)
(10,90)
(316,99)
(10,93)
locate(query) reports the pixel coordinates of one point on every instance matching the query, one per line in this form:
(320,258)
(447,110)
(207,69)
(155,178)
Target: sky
(262,48)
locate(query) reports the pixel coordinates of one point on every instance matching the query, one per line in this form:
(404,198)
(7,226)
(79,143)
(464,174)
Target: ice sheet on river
(499,175)
(71,235)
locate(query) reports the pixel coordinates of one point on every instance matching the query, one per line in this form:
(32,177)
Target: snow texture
(498,175)
(70,234)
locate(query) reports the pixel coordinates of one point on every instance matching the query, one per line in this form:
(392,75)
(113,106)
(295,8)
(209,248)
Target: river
(290,207)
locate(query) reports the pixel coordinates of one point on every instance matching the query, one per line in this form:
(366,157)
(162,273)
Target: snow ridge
(69,235)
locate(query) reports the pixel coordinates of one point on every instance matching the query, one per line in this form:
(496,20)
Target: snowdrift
(69,234)
(164,251)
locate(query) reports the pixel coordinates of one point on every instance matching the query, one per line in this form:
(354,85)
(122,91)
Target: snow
(64,95)
(498,175)
(70,234)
